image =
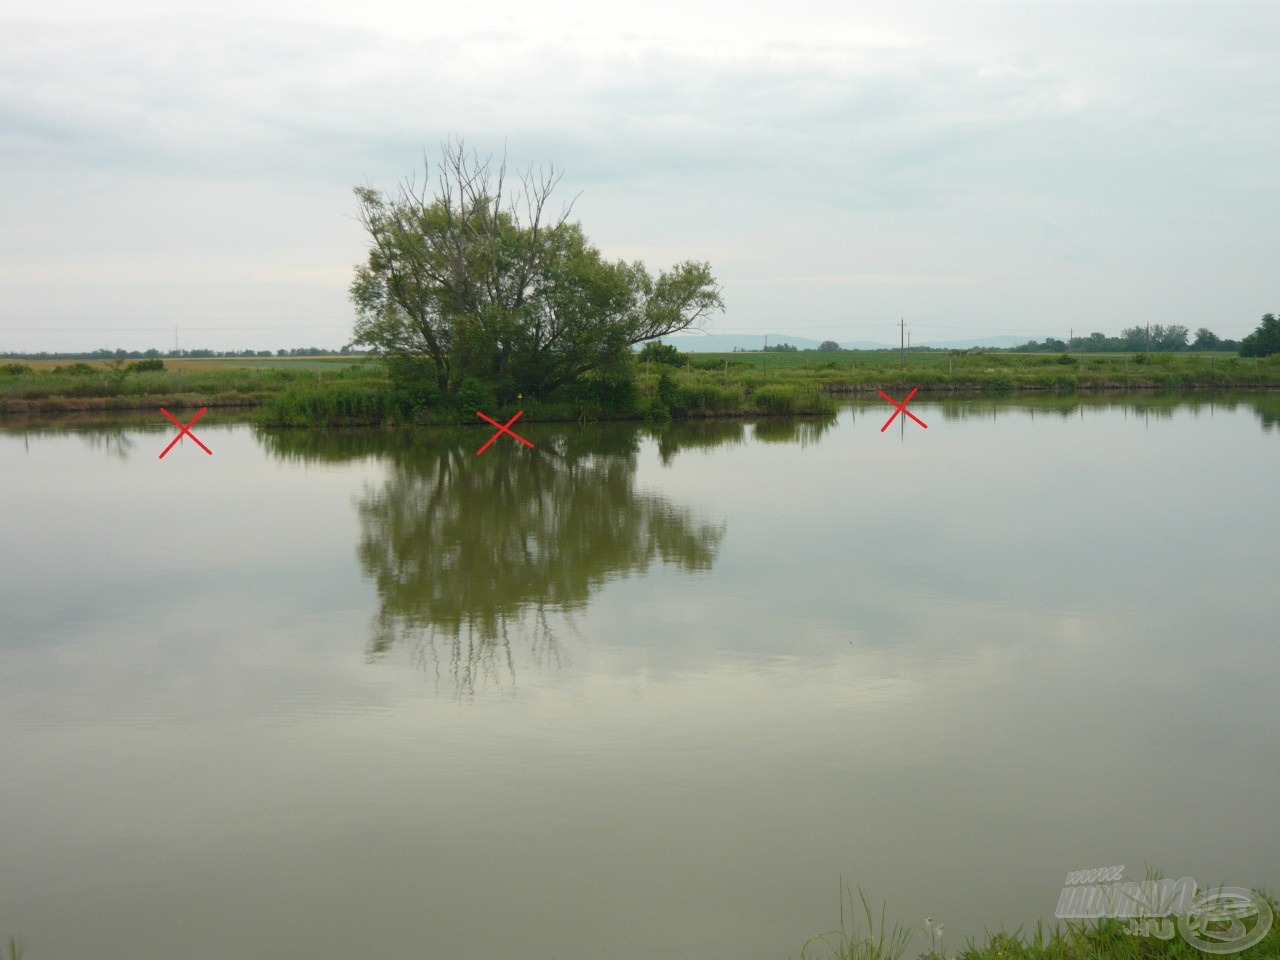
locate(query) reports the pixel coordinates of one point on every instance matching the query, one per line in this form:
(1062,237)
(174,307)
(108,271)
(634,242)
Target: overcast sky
(1021,168)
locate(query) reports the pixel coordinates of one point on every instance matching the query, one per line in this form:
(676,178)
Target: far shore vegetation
(311,388)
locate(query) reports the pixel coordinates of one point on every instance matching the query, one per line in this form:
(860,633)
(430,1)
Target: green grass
(334,403)
(852,371)
(45,386)
(791,399)
(850,942)
(1104,939)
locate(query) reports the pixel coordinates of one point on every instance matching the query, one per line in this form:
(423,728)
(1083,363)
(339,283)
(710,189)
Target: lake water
(637,692)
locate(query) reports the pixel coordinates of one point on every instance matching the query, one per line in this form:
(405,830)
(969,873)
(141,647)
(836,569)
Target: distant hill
(728,342)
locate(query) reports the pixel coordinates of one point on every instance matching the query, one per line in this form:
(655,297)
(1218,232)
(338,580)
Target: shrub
(776,399)
(472,396)
(705,398)
(661,353)
(150,365)
(780,400)
(655,411)
(596,395)
(76,370)
(317,405)
(666,389)
(14,369)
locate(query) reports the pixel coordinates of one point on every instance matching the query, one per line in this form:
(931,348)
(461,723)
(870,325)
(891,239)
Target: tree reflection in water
(470,553)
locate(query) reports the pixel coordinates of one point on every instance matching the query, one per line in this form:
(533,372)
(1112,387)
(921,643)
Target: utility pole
(1071,335)
(1148,350)
(176,349)
(902,343)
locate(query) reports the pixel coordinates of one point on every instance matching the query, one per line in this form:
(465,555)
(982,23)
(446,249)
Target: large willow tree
(477,278)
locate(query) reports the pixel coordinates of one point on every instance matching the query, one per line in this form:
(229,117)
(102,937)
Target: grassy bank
(670,395)
(320,391)
(328,391)
(860,937)
(47,386)
(981,372)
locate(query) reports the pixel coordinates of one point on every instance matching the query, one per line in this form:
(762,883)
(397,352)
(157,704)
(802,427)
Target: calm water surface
(636,693)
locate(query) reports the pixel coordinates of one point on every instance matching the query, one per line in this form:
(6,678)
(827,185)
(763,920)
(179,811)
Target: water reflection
(117,442)
(1161,406)
(114,432)
(116,439)
(803,432)
(472,555)
(696,435)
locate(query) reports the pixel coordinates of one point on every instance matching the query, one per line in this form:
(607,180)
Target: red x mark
(186,430)
(902,408)
(502,428)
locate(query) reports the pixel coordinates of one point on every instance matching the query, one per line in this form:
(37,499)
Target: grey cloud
(1020,150)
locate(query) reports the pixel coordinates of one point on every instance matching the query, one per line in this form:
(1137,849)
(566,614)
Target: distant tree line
(1155,338)
(1264,341)
(655,351)
(105,354)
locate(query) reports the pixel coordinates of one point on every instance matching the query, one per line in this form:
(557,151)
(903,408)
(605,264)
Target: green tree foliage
(1171,337)
(1134,339)
(655,352)
(1206,339)
(1157,338)
(482,281)
(1264,341)
(829,345)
